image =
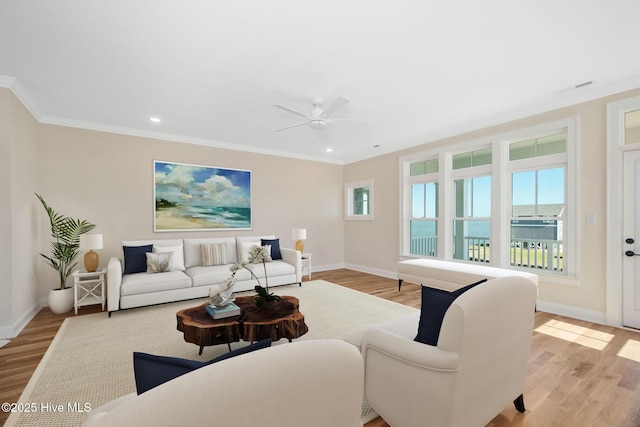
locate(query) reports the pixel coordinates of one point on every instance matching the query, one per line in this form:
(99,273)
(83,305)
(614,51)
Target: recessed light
(155,119)
(328,150)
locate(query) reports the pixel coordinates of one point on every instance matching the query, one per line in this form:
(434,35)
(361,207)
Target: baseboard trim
(573,312)
(12,331)
(375,271)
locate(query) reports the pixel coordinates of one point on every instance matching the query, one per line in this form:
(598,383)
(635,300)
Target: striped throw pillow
(213,254)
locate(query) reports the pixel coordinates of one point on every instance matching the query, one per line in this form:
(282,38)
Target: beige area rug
(90,363)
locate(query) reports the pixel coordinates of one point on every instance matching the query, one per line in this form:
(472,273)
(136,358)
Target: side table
(88,288)
(306,264)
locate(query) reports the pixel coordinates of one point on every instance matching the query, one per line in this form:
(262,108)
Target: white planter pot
(61,300)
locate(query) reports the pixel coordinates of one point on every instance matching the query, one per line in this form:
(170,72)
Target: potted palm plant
(65,246)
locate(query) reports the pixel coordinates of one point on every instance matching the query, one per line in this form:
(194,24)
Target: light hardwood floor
(580,374)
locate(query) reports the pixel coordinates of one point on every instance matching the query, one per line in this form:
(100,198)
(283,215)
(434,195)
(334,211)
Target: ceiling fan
(318,117)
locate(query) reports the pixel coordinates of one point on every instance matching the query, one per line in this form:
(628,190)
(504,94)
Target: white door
(631,243)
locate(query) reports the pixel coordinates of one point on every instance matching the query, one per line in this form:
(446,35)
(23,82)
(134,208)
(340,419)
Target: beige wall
(18,227)
(108,179)
(367,241)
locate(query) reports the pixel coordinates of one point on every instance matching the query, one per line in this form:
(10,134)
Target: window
(424,208)
(538,202)
(506,200)
(471,205)
(359,200)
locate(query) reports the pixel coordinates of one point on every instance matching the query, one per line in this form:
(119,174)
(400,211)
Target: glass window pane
(424,238)
(431,200)
(553,144)
(417,168)
(361,201)
(432,166)
(632,127)
(537,244)
(472,197)
(471,240)
(417,201)
(481,157)
(523,193)
(551,192)
(522,149)
(462,160)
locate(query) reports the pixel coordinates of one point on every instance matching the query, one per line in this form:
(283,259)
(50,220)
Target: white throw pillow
(245,248)
(158,263)
(177,260)
(213,254)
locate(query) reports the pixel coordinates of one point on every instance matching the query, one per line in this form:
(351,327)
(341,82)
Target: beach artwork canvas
(195,197)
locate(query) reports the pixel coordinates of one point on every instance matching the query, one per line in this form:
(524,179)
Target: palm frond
(66,231)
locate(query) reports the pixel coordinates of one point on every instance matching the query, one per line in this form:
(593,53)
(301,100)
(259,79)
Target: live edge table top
(277,320)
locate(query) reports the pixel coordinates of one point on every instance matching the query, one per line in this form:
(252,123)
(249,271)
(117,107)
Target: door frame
(614,232)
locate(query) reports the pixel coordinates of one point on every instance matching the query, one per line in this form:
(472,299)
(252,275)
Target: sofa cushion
(143,283)
(151,371)
(193,255)
(274,268)
(158,263)
(213,254)
(213,275)
(177,259)
(135,260)
(275,247)
(435,303)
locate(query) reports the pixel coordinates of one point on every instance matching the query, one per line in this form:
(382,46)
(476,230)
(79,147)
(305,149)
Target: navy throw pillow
(135,258)
(275,247)
(150,371)
(435,303)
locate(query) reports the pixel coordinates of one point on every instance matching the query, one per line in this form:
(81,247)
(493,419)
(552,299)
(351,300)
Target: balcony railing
(427,246)
(539,253)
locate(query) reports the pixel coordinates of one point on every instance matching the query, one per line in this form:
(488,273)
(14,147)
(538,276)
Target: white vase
(61,300)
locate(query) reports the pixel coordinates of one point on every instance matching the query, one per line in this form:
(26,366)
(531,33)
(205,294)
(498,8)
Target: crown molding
(99,127)
(20,92)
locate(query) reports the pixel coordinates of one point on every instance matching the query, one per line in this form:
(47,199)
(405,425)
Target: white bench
(450,275)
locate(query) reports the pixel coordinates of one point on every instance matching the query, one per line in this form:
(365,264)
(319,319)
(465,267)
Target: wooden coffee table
(281,320)
(200,329)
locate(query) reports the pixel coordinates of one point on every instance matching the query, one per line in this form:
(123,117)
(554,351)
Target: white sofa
(314,383)
(189,279)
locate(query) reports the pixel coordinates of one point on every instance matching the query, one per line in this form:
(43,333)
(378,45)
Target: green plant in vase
(66,233)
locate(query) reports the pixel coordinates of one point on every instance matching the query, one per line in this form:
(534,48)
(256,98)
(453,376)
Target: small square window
(359,200)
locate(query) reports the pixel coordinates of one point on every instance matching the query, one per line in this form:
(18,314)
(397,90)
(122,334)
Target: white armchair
(313,383)
(478,367)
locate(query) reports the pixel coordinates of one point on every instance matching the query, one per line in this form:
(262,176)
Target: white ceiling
(211,69)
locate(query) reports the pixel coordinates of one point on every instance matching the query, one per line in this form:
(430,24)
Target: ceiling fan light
(317,124)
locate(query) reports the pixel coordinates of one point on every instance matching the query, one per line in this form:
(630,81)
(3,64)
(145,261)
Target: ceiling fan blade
(340,102)
(291,127)
(290,110)
(336,119)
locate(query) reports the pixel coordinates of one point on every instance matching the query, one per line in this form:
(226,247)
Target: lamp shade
(299,233)
(90,241)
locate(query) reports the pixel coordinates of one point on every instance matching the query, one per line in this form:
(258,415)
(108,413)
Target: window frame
(349,190)
(500,170)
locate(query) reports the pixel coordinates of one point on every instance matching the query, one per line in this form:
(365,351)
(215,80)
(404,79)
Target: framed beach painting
(195,197)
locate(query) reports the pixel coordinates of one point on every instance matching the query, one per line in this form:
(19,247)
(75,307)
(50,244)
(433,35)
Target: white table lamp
(89,242)
(299,234)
